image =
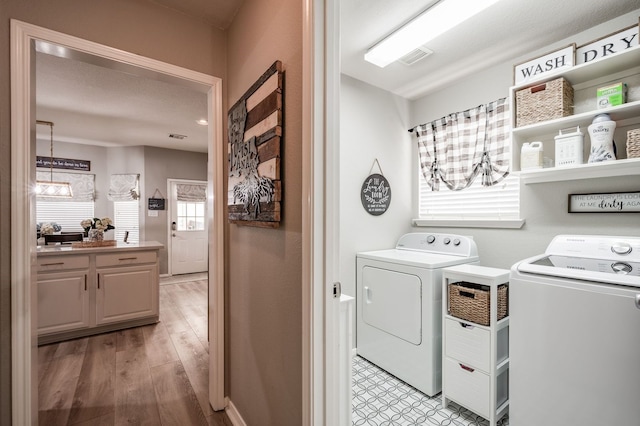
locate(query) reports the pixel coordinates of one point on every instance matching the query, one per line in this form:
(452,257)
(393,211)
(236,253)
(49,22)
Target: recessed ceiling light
(202,122)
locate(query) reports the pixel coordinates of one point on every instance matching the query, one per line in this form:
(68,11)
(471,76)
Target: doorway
(23,290)
(187,226)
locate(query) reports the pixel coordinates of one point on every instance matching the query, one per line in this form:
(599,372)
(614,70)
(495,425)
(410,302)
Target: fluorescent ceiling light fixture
(434,21)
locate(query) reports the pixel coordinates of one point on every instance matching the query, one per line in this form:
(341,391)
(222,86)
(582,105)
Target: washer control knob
(431,239)
(621,268)
(621,248)
(447,241)
(456,242)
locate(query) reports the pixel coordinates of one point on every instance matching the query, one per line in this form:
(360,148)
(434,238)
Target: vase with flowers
(95,228)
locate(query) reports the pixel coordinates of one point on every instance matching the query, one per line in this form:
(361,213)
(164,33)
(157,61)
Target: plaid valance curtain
(458,148)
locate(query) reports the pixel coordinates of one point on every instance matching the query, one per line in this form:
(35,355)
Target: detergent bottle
(601,133)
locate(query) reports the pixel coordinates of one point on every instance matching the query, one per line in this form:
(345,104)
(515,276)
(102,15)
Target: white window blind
(501,201)
(126,217)
(67,214)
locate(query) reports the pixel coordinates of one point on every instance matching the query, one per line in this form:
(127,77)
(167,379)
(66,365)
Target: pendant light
(50,188)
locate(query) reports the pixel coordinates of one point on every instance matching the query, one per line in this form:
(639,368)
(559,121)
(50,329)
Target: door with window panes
(188,226)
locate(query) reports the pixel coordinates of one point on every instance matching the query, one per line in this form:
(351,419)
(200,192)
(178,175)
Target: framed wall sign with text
(614,202)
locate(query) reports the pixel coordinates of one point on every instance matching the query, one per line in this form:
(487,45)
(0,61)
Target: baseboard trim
(234,415)
(354,352)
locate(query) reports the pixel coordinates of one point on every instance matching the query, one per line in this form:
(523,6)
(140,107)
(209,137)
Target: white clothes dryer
(399,305)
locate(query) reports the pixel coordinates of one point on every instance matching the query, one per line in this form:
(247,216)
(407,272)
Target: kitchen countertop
(119,247)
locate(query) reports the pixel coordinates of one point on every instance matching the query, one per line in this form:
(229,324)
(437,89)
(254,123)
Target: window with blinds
(501,201)
(67,214)
(126,217)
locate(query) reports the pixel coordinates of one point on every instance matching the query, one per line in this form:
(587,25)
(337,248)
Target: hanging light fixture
(51,188)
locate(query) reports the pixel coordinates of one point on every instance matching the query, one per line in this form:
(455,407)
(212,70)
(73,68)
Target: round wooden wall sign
(375,194)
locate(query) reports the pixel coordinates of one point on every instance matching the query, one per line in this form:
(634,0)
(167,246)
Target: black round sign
(375,194)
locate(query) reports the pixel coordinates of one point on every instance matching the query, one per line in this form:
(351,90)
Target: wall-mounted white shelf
(578,74)
(584,78)
(630,167)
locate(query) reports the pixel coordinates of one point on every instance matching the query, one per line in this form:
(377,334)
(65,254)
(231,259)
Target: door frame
(23,241)
(169,214)
(320,212)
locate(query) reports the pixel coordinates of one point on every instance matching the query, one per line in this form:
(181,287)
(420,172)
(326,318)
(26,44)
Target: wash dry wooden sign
(255,133)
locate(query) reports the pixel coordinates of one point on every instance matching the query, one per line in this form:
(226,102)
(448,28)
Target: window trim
(470,223)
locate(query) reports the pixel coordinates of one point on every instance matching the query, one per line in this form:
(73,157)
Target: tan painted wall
(137,26)
(264,329)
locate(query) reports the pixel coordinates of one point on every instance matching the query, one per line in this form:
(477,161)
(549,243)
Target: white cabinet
(63,301)
(95,292)
(475,370)
(585,79)
(126,293)
(63,293)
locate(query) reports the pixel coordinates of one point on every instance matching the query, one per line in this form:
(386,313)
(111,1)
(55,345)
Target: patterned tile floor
(380,399)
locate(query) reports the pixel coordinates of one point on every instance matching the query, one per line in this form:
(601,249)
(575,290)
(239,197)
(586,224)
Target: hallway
(151,375)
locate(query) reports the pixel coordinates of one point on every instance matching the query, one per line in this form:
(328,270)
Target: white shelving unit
(475,358)
(585,79)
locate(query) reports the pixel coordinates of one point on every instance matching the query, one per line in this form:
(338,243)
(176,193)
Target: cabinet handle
(98,282)
(128,258)
(53,264)
(469,369)
(85,282)
(463,325)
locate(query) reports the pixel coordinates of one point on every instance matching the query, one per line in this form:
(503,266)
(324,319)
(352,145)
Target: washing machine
(399,305)
(574,327)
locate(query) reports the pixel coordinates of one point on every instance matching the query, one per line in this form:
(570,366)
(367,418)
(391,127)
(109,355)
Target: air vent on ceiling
(177,136)
(415,55)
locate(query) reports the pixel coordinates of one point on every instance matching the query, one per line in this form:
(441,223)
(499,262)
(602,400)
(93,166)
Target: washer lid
(420,259)
(598,258)
(619,272)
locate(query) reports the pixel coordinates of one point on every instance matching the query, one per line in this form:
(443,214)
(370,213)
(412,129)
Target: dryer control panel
(450,244)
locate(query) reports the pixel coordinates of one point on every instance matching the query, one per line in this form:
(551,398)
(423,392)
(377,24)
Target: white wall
(373,124)
(543,206)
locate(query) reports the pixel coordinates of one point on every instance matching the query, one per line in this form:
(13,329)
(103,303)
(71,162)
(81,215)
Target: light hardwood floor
(154,375)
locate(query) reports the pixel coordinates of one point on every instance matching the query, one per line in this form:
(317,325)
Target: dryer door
(392,302)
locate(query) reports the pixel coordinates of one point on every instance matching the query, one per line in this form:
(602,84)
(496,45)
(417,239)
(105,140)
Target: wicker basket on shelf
(472,302)
(546,101)
(633,143)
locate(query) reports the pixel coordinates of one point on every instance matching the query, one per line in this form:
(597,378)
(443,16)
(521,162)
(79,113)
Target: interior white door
(187,228)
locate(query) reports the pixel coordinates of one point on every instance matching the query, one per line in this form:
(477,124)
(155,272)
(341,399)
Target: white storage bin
(569,148)
(468,387)
(468,343)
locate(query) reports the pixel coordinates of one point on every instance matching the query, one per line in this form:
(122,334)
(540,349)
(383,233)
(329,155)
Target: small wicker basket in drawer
(633,143)
(546,101)
(471,302)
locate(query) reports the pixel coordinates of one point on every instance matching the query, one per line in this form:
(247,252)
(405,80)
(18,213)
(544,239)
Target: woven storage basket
(633,143)
(546,101)
(472,302)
